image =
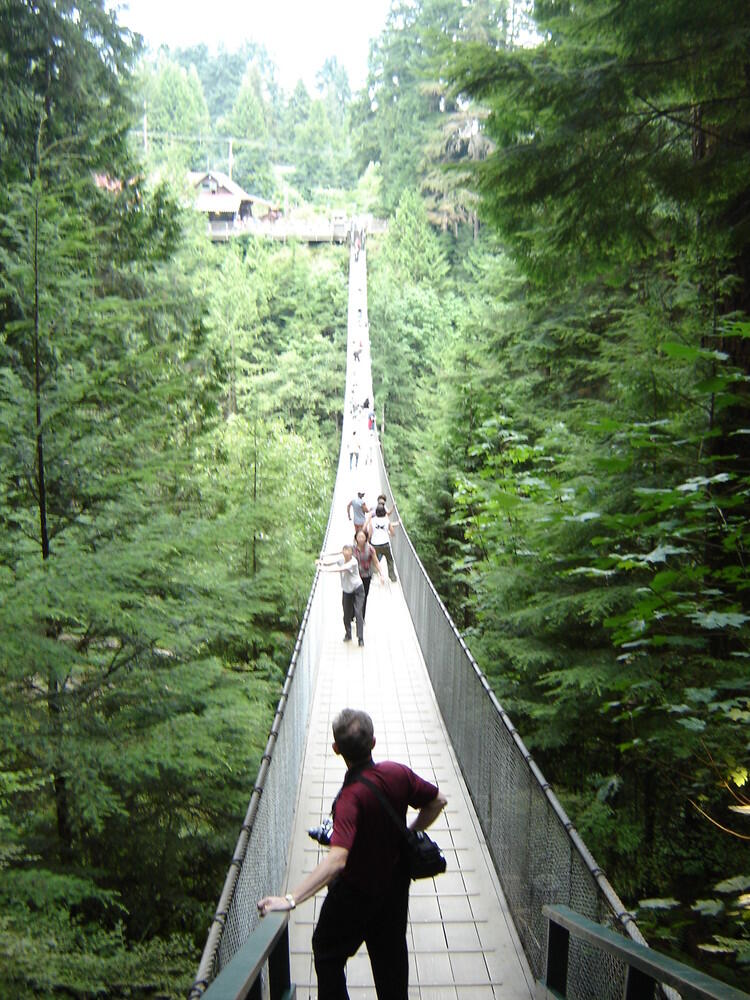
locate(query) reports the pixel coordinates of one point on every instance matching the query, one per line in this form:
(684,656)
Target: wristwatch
(291,900)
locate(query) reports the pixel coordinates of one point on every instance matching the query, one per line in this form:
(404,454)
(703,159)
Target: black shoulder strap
(403,828)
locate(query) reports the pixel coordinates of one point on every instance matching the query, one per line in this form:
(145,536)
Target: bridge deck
(462,943)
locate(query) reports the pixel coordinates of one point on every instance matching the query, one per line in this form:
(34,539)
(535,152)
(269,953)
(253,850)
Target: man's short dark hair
(353,733)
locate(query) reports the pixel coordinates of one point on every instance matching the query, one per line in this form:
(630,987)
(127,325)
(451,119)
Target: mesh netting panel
(538,860)
(264,864)
(260,859)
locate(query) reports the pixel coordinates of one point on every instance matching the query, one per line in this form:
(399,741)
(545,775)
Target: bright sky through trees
(299,35)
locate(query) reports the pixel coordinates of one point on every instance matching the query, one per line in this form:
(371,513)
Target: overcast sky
(298,34)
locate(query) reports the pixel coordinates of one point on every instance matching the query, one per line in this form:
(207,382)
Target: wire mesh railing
(538,855)
(260,857)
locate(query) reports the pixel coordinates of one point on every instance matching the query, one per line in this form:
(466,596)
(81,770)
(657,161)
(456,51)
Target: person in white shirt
(380,530)
(353,450)
(352,590)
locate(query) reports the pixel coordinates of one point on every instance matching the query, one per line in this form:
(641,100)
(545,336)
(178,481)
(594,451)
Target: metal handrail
(243,977)
(646,968)
(464,696)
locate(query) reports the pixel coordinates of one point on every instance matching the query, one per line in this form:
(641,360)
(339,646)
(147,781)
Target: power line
(203,139)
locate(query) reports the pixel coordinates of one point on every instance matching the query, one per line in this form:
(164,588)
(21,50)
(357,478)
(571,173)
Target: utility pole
(231,160)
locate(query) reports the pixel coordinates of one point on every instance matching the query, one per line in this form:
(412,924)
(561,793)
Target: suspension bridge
(523,910)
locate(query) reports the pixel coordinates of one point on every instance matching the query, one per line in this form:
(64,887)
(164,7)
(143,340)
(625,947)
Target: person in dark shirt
(367,879)
(367,560)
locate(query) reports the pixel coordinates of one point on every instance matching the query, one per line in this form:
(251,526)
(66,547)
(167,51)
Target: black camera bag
(423,856)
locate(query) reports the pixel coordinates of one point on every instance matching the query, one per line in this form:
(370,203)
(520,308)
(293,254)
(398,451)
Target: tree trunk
(41,485)
(54,708)
(255,489)
(59,782)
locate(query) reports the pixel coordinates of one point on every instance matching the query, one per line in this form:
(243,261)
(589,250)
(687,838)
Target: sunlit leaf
(708,907)
(739,883)
(718,619)
(693,724)
(658,904)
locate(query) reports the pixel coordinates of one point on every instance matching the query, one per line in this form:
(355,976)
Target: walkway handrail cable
(539,856)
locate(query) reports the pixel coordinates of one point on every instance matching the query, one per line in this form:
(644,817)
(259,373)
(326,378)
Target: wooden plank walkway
(462,943)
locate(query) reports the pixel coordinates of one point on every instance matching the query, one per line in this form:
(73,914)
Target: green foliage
(411,250)
(333,83)
(393,117)
(44,952)
(248,122)
(245,103)
(409,123)
(299,362)
(580,492)
(56,85)
(313,151)
(155,552)
(723,917)
(221,73)
(177,110)
(610,132)
(409,319)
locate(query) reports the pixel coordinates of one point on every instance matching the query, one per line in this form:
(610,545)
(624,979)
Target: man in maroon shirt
(368,895)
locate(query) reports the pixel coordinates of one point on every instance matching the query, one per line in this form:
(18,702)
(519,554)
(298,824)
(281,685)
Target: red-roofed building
(224,201)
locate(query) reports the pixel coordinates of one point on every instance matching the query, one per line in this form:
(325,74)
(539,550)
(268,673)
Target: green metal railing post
(646,968)
(279,972)
(558,943)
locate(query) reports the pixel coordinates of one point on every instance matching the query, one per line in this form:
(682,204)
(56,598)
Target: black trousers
(385,550)
(366,581)
(353,605)
(349,917)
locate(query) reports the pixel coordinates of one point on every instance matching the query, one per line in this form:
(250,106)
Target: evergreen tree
(221,73)
(393,116)
(177,113)
(410,315)
(146,614)
(249,122)
(601,488)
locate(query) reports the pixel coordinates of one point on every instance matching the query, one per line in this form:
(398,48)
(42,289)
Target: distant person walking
(353,451)
(380,530)
(367,560)
(352,589)
(370,447)
(357,511)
